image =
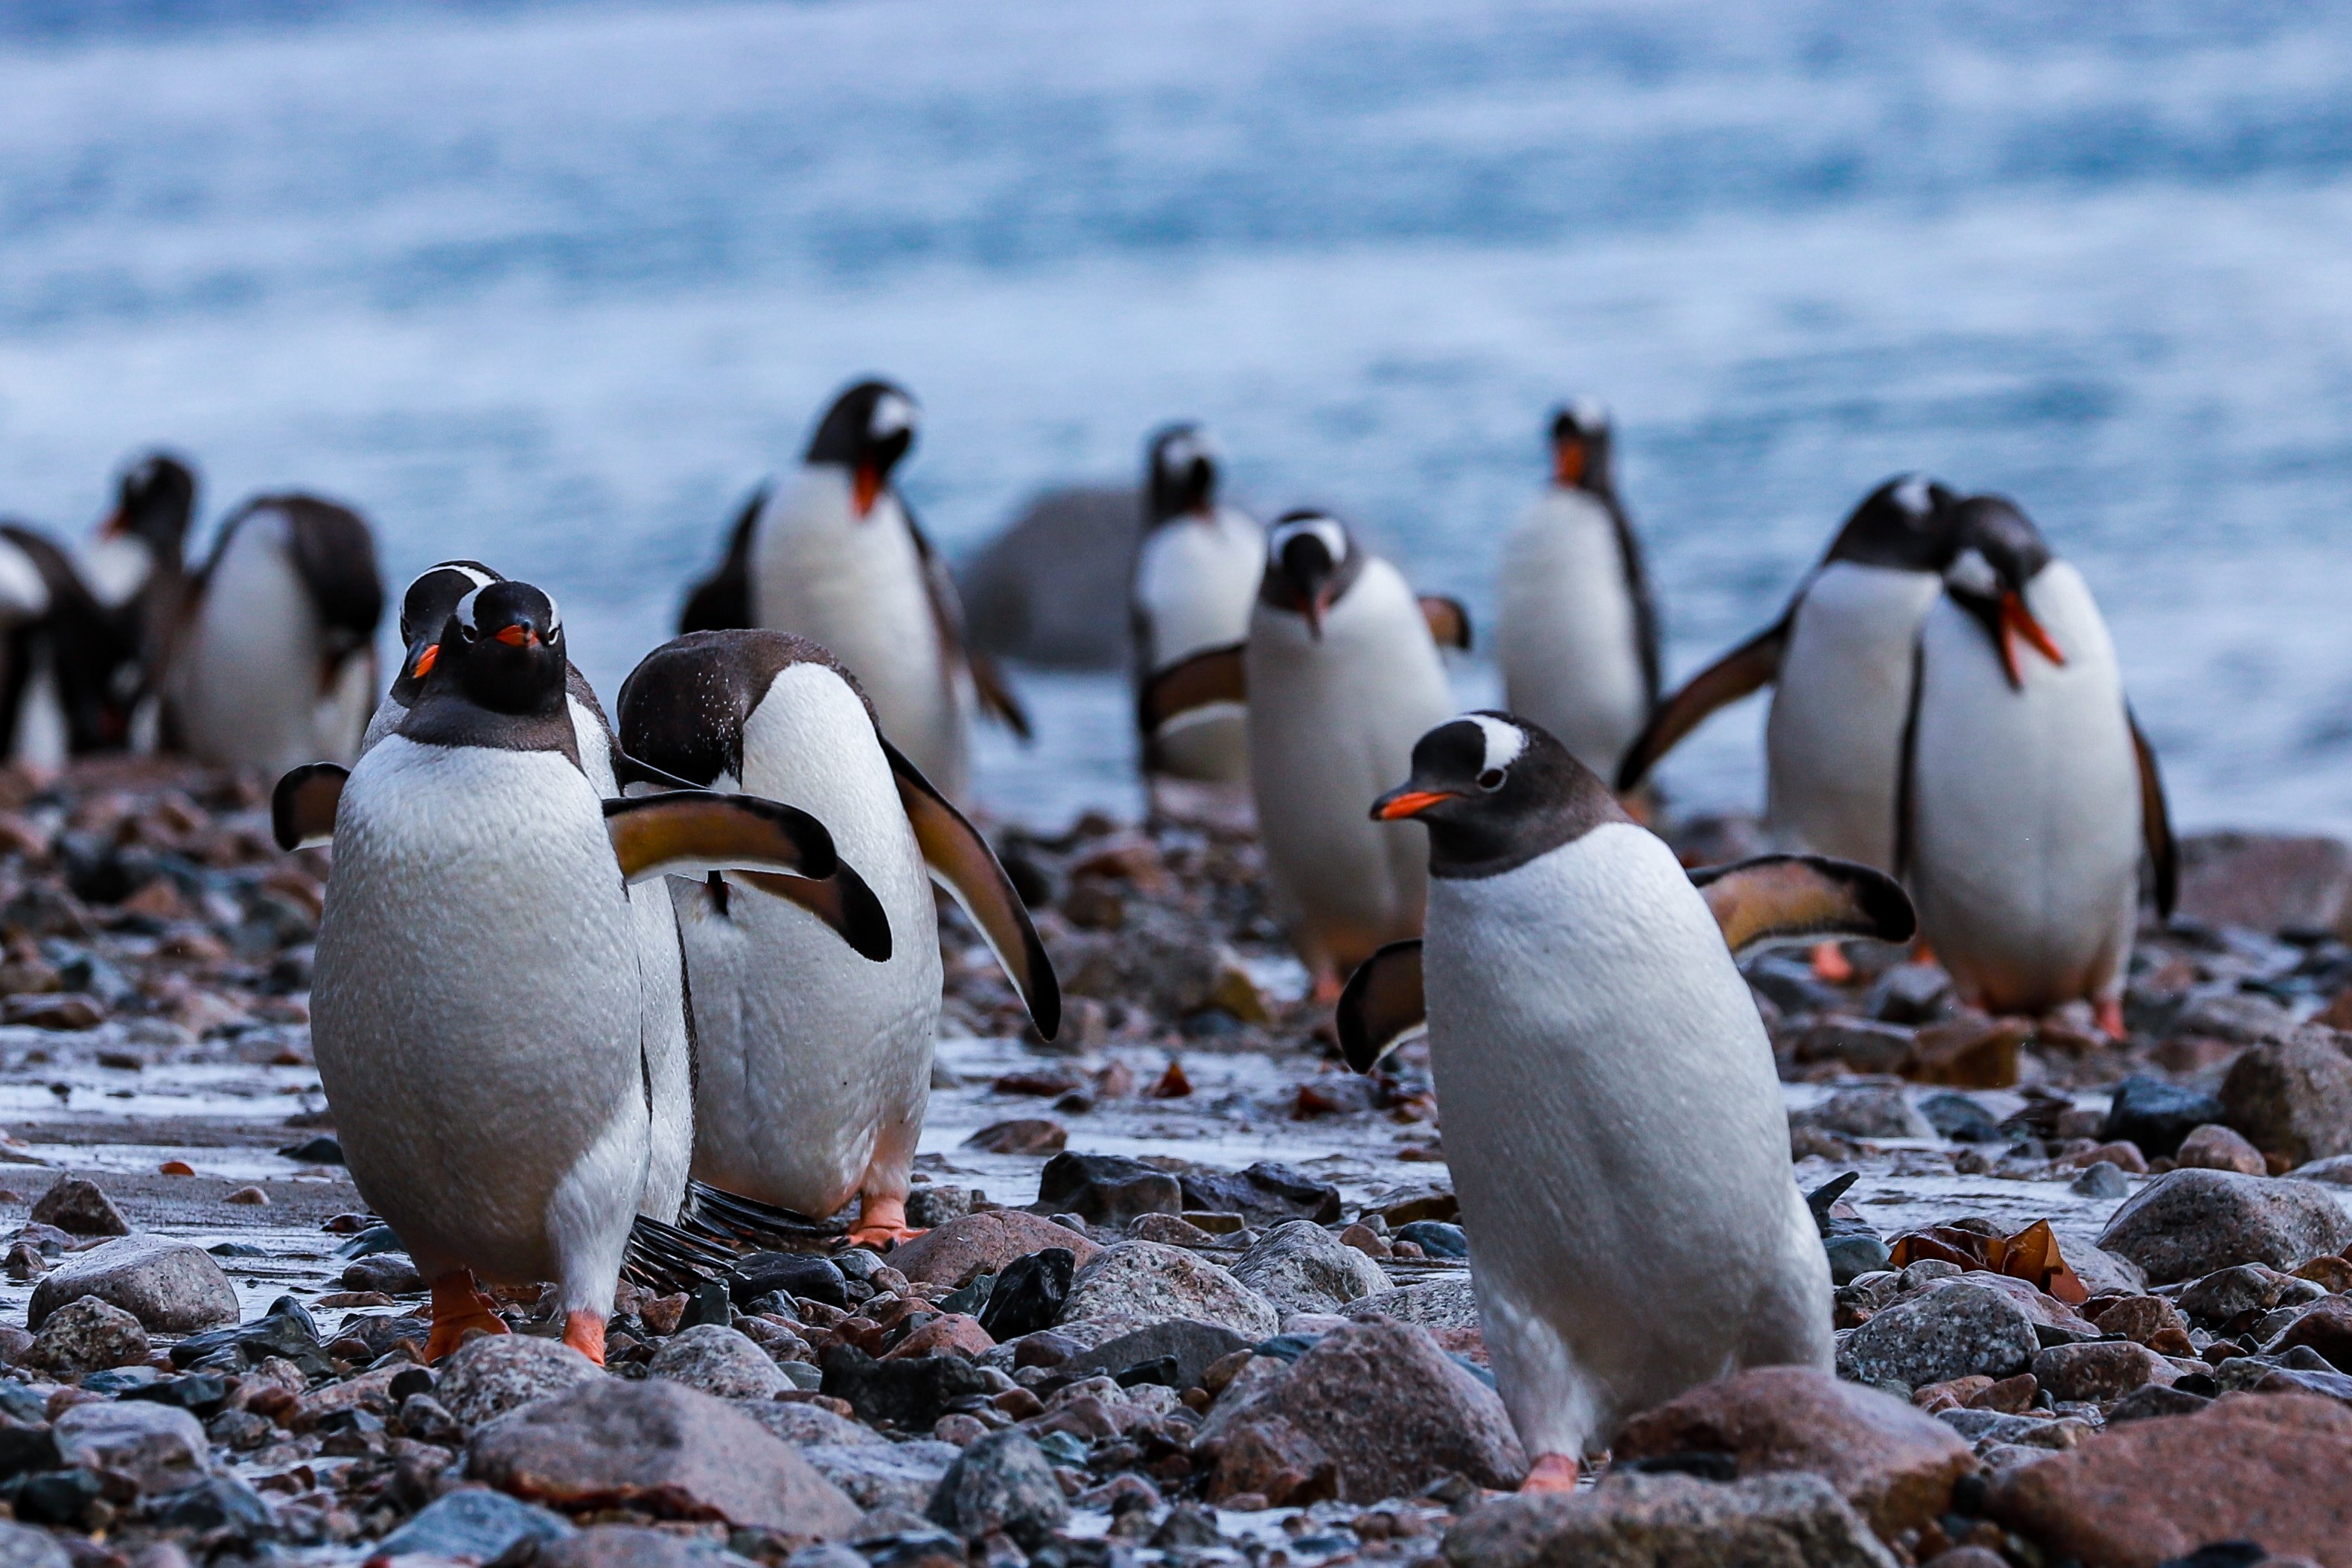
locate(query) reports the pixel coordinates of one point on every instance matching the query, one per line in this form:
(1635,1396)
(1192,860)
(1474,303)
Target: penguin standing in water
(273,664)
(1195,579)
(1612,1114)
(814,1062)
(1578,637)
(2030,793)
(1340,672)
(477,1007)
(837,558)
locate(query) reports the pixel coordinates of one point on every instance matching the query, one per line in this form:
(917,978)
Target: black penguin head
(868,428)
(1182,476)
(1910,522)
(1582,457)
(1310,560)
(503,648)
(154,501)
(1495,792)
(2000,552)
(425,609)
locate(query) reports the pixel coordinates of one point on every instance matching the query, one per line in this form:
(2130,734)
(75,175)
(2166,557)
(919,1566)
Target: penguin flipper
(1381,1005)
(722,601)
(1750,665)
(996,694)
(690,833)
(961,860)
(302,806)
(1212,674)
(1791,897)
(841,900)
(1449,621)
(2156,821)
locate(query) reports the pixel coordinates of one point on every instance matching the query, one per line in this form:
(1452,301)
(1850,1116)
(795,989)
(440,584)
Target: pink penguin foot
(1550,1473)
(882,1224)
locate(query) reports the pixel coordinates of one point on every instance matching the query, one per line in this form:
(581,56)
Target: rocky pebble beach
(1191,1290)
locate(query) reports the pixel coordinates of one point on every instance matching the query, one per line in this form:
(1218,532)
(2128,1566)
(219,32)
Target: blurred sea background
(556,284)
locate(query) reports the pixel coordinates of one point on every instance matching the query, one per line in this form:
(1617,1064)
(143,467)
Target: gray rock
(615,1444)
(87,1335)
(633,1546)
(1302,1267)
(782,1343)
(75,1203)
(722,1362)
(2293,1097)
(1106,1189)
(2103,1273)
(2100,1372)
(1952,1328)
(2102,1179)
(2241,1018)
(1434,1304)
(1637,1521)
(801,1424)
(1151,1283)
(21,1546)
(1861,1044)
(1156,958)
(500,1372)
(390,1273)
(474,1527)
(2190,1223)
(1880,1112)
(885,1475)
(2265,882)
(2336,1171)
(170,1287)
(2156,1114)
(1193,1346)
(2218,1297)
(1003,1483)
(156,1448)
(1052,588)
(1911,993)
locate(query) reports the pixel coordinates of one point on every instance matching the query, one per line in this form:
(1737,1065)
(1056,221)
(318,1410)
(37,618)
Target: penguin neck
(1487,843)
(445,716)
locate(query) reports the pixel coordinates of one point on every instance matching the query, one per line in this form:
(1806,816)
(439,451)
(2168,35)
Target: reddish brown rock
(2266,881)
(984,1243)
(2327,1327)
(2140,1318)
(661,1449)
(1894,1464)
(1278,1461)
(952,1333)
(1022,1135)
(2252,1467)
(2100,1371)
(2213,1147)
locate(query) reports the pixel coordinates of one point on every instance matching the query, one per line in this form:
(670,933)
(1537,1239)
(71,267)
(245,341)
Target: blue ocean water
(554,284)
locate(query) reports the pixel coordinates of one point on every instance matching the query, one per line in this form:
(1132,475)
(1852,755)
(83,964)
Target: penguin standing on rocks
(1340,671)
(1578,637)
(837,558)
(1195,579)
(274,664)
(477,1010)
(2030,793)
(1612,1109)
(814,1062)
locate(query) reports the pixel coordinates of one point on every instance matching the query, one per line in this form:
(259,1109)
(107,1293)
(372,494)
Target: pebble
(1193,1345)
(2100,1372)
(1302,1267)
(1031,1293)
(475,1527)
(153,1447)
(910,1395)
(1270,1459)
(75,1204)
(793,1274)
(2189,1223)
(1002,1483)
(1106,1189)
(985,1242)
(1266,1192)
(1955,1327)
(1021,1135)
(2213,1147)
(1145,1281)
(170,1287)
(486,1377)
(1871,1112)
(2101,1179)
(1960,1118)
(886,1474)
(722,1362)
(87,1335)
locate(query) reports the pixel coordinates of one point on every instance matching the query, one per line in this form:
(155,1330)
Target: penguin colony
(715,907)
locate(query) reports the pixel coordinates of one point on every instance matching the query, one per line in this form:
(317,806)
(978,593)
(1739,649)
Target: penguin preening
(2029,793)
(1613,1114)
(274,662)
(837,558)
(1196,575)
(1578,634)
(1340,671)
(477,1006)
(814,1063)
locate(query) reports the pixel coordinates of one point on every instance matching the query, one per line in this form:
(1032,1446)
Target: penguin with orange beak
(2029,794)
(838,557)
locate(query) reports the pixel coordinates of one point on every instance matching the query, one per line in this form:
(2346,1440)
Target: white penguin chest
(1569,638)
(1196,581)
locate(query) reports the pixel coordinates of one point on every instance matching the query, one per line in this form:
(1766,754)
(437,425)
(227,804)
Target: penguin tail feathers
(663,1257)
(716,1213)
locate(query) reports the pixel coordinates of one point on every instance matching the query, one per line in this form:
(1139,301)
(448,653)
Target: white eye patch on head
(464,611)
(1505,741)
(1328,530)
(892,413)
(1911,495)
(1590,413)
(1182,451)
(1972,573)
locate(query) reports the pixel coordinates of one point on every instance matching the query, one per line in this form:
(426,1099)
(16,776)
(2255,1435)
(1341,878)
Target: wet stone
(1959,1117)
(2158,1114)
(485,1379)
(1030,1294)
(793,1274)
(1302,1267)
(1264,1194)
(474,1526)
(1003,1483)
(1021,1135)
(389,1272)
(1954,1329)
(722,1362)
(75,1204)
(2217,1148)
(1871,1112)
(1193,1346)
(2294,1098)
(2189,1223)
(2101,1179)
(170,1287)
(88,1335)
(1106,1189)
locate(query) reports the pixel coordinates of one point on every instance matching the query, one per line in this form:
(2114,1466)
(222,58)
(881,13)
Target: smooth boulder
(2190,1223)
(1957,1328)
(1302,1267)
(1637,1521)
(482,1380)
(1148,1282)
(983,1243)
(170,1287)
(2293,1097)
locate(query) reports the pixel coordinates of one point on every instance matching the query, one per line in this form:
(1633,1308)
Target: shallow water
(554,284)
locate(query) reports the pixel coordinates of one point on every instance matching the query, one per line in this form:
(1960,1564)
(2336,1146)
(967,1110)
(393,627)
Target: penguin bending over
(837,558)
(2030,793)
(1195,579)
(274,664)
(1340,672)
(1578,637)
(814,1063)
(1619,1140)
(478,1009)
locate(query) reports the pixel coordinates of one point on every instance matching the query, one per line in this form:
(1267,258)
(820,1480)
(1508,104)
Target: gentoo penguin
(274,664)
(1340,671)
(1195,579)
(814,1064)
(838,557)
(477,1007)
(2030,793)
(1578,636)
(1612,1115)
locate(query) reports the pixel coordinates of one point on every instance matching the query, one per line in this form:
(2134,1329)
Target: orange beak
(1568,464)
(426,660)
(1398,805)
(865,490)
(2016,621)
(516,636)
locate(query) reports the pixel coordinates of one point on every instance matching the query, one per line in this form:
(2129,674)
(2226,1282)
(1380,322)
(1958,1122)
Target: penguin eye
(1492,780)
